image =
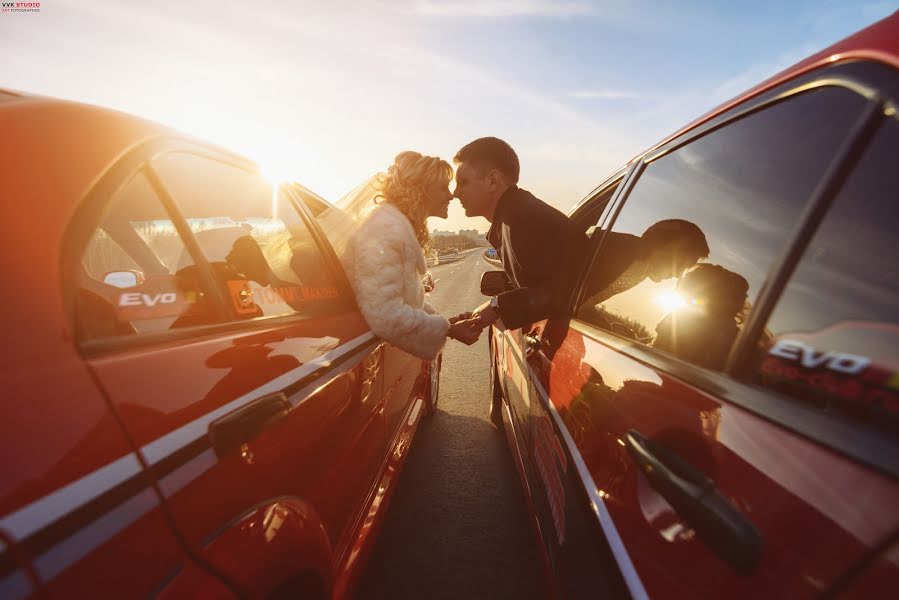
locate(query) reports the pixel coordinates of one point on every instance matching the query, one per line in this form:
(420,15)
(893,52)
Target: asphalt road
(457,525)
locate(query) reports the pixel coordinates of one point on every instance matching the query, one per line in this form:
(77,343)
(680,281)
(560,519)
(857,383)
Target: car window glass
(717,211)
(833,338)
(262,253)
(594,212)
(315,204)
(129,283)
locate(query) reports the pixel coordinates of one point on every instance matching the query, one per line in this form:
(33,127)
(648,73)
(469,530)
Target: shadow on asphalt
(457,526)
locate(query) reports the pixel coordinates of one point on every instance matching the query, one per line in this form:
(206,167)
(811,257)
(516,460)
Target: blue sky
(329,92)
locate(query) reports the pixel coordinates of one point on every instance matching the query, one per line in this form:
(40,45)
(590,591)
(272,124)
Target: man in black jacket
(540,247)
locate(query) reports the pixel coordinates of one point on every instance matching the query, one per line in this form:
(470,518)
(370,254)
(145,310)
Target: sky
(328,92)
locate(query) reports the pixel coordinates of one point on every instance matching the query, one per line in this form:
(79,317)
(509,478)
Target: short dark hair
(689,234)
(488,153)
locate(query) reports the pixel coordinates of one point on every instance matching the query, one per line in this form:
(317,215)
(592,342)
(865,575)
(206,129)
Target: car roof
(51,154)
(53,151)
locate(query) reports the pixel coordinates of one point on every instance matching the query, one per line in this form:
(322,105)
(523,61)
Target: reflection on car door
(800,498)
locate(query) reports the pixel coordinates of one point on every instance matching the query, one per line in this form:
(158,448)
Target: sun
(670,301)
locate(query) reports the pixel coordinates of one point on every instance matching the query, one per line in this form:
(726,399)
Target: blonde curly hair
(402,185)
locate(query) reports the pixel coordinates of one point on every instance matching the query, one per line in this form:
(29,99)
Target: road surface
(457,526)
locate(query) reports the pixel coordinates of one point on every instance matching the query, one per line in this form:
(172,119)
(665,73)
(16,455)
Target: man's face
(473,189)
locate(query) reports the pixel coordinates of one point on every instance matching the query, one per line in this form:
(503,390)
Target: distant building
(470,233)
(438,233)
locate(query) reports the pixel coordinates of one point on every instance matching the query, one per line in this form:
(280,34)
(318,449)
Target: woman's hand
(460,317)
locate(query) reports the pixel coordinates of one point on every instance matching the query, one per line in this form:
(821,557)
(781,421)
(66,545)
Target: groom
(539,246)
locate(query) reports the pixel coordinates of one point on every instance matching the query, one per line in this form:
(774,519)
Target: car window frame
(296,192)
(587,204)
(869,446)
(617,183)
(89,214)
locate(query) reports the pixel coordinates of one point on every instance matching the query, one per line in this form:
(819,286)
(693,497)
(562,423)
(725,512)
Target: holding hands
(464,328)
(485,315)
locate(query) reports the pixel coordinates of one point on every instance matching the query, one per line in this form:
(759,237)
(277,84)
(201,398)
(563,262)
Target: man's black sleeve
(557,250)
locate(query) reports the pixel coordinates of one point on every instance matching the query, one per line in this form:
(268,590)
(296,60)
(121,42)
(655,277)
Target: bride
(385,254)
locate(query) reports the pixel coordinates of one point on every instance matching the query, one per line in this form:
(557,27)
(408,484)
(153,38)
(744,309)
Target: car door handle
(696,498)
(236,428)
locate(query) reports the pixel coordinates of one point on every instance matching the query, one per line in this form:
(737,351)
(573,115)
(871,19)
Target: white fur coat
(385,264)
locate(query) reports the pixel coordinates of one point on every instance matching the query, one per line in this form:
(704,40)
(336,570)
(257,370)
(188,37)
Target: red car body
(652,476)
(232,456)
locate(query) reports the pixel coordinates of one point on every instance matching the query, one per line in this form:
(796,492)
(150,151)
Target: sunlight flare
(670,301)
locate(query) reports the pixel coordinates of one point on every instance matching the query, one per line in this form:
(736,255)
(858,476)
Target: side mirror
(494,283)
(124,279)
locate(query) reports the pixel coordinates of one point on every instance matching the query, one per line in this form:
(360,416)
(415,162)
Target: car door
(402,378)
(564,534)
(80,517)
(704,485)
(248,381)
(514,350)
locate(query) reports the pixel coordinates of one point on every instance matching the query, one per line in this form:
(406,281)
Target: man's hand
(485,315)
(466,331)
(460,317)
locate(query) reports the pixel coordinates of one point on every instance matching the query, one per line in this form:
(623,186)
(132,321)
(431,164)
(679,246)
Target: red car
(720,416)
(194,405)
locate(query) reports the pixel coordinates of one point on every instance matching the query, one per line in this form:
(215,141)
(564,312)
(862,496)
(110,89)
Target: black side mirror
(494,283)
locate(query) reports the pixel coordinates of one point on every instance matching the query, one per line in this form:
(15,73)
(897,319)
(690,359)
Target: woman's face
(437,197)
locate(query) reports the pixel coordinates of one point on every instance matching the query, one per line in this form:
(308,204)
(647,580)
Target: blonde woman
(385,257)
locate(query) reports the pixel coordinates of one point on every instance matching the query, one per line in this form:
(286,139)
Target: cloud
(495,8)
(605,95)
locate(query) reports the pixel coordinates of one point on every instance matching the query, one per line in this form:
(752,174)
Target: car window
(261,250)
(131,281)
(594,211)
(315,204)
(833,337)
(696,237)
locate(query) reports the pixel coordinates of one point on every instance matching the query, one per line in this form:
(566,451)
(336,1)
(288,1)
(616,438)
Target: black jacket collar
(503,201)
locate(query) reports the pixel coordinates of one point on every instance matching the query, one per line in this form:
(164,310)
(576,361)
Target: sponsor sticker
(848,382)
